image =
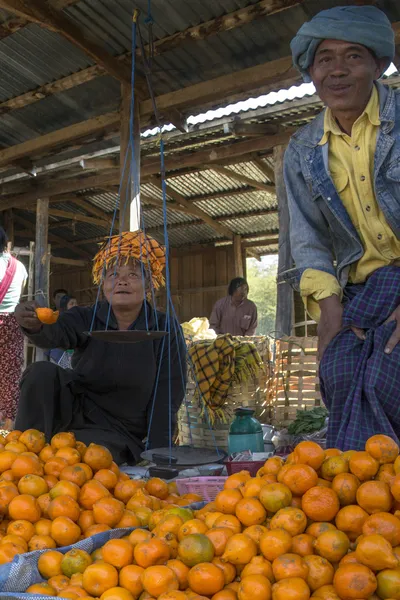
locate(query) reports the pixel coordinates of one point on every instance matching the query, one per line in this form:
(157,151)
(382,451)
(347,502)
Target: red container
(252,466)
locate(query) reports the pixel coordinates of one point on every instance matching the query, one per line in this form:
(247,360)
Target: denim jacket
(322,235)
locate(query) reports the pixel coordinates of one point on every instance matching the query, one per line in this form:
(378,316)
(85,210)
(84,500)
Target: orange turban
(120,249)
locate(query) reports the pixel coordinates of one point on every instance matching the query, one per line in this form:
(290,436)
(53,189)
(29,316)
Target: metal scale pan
(129,336)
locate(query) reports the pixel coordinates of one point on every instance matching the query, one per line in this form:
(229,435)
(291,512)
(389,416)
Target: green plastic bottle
(245,432)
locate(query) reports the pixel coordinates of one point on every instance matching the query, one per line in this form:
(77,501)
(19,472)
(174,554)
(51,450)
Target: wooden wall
(199,277)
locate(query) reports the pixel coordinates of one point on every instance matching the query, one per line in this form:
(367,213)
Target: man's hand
(26,317)
(395,337)
(330,323)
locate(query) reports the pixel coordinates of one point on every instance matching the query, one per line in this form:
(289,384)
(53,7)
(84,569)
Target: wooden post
(237,255)
(9,227)
(130,193)
(42,253)
(284,300)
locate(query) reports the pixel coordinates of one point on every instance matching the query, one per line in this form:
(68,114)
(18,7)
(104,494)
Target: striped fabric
(360,384)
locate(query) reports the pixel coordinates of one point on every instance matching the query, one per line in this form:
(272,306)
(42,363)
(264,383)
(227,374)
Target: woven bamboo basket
(294,385)
(193,424)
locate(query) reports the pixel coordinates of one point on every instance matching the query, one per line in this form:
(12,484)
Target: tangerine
(91,492)
(250,511)
(191,526)
(275,496)
(22,528)
(254,587)
(64,506)
(289,565)
(375,552)
(41,589)
(75,561)
(117,593)
(159,579)
(41,542)
(118,553)
(157,487)
(107,478)
(333,466)
(259,566)
(97,457)
(320,504)
(388,582)
(363,465)
(303,544)
(206,578)
(54,466)
(108,511)
(64,531)
(130,578)
(309,453)
(351,519)
(196,548)
(292,588)
(33,439)
(255,532)
(63,439)
(240,549)
(99,577)
(228,569)
(300,478)
(382,448)
(24,507)
(293,520)
(332,545)
(320,572)
(219,537)
(346,485)
(152,552)
(354,582)
(384,524)
(181,571)
(274,543)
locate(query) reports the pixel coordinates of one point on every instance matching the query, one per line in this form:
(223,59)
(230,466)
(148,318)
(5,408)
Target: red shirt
(227,317)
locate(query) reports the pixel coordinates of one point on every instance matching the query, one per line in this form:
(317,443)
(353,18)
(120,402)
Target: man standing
(235,314)
(342,173)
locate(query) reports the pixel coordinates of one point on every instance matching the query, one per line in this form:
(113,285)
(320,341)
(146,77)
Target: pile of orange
(323,525)
(54,495)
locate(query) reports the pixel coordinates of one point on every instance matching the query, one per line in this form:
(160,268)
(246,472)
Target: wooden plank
(284,301)
(54,212)
(124,154)
(265,187)
(72,262)
(265,168)
(262,242)
(237,255)
(39,12)
(41,253)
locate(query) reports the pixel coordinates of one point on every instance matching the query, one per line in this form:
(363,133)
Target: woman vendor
(109,395)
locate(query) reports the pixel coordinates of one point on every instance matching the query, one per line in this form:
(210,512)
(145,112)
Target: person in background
(58,355)
(235,314)
(57,295)
(343,182)
(13,277)
(67,302)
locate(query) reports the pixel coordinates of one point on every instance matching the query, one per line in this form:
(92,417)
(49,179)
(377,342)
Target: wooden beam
(124,154)
(11,26)
(53,212)
(8,224)
(39,12)
(217,195)
(265,169)
(59,137)
(237,255)
(238,128)
(91,209)
(265,187)
(94,240)
(71,262)
(41,253)
(261,243)
(284,301)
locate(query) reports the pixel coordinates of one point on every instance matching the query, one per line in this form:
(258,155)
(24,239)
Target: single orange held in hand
(47,315)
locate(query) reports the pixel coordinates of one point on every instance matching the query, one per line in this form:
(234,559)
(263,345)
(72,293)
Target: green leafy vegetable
(308,421)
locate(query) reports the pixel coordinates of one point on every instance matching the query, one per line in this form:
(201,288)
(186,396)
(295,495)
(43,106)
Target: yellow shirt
(351,165)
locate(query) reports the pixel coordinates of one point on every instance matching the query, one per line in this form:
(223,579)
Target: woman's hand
(395,337)
(26,317)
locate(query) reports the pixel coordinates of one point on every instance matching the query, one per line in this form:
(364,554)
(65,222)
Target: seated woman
(117,393)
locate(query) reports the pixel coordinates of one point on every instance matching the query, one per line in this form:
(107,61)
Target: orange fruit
(41,542)
(41,589)
(95,529)
(63,439)
(44,503)
(58,582)
(15,539)
(219,537)
(75,474)
(384,524)
(255,532)
(190,527)
(354,581)
(381,447)
(71,455)
(73,591)
(65,488)
(42,527)
(320,504)
(117,593)
(75,561)
(7,493)
(275,496)
(289,565)
(226,501)
(139,535)
(374,496)
(152,552)
(386,474)
(128,519)
(130,578)
(64,531)
(8,550)
(7,476)
(168,524)
(22,528)
(320,572)
(26,465)
(157,487)
(118,553)
(64,506)
(272,465)
(394,487)
(12,436)
(99,577)
(33,439)
(159,579)
(375,552)
(334,465)
(49,317)
(332,545)
(309,453)
(293,520)
(24,507)
(108,511)
(16,447)
(125,489)
(181,571)
(258,566)
(237,480)
(346,485)
(174,595)
(303,544)
(86,520)
(7,459)
(300,478)
(293,588)
(225,594)
(324,483)
(388,584)
(227,568)
(206,578)
(107,478)
(349,558)
(195,548)
(46,453)
(86,468)
(240,549)
(55,465)
(363,465)
(250,511)
(252,487)
(332,452)
(91,492)
(97,457)
(351,519)
(230,521)
(81,447)
(51,481)
(254,587)
(274,543)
